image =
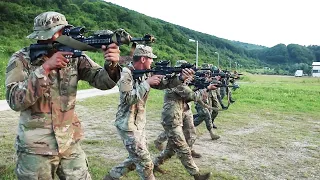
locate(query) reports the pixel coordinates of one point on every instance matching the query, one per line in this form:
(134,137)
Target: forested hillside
(16,17)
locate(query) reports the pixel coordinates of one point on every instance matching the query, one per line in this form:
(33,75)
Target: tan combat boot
(213,136)
(195,154)
(205,176)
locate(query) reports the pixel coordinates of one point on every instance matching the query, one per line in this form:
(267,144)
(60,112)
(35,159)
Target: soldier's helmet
(180,62)
(215,68)
(143,50)
(47,24)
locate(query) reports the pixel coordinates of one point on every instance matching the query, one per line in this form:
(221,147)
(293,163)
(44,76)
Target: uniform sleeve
(132,91)
(185,92)
(23,88)
(95,75)
(201,97)
(168,83)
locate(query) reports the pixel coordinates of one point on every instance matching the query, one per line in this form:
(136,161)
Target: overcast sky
(262,22)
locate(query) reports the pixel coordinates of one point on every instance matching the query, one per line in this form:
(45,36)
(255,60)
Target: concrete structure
(316,69)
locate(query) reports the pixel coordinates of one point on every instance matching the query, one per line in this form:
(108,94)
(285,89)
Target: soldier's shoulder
(125,82)
(126,73)
(126,70)
(19,55)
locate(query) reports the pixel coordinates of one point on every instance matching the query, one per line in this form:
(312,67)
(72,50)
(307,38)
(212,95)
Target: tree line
(16,17)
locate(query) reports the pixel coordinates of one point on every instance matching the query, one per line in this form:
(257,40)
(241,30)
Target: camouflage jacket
(175,103)
(48,123)
(207,97)
(131,113)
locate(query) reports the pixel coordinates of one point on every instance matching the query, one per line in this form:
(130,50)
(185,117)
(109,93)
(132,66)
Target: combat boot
(214,126)
(195,154)
(224,107)
(158,145)
(205,176)
(213,136)
(108,177)
(158,169)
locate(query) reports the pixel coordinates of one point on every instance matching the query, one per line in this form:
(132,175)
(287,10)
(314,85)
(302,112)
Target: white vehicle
(298,73)
(316,69)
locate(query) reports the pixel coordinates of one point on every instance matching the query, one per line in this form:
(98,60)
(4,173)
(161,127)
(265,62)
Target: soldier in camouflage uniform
(176,114)
(131,115)
(188,127)
(208,114)
(44,91)
(221,92)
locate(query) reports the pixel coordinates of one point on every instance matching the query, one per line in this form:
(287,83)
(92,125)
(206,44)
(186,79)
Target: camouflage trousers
(206,115)
(139,157)
(203,114)
(215,104)
(71,165)
(188,128)
(223,92)
(177,144)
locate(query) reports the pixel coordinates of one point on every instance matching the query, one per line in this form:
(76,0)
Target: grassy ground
(271,132)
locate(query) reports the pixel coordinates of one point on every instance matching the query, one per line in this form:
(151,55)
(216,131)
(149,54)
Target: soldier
(208,114)
(131,116)
(188,128)
(177,113)
(221,92)
(44,92)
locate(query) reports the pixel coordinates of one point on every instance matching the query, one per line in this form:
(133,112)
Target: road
(81,94)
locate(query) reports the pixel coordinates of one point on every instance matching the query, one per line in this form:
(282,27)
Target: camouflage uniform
(49,131)
(188,128)
(131,120)
(175,110)
(208,114)
(203,114)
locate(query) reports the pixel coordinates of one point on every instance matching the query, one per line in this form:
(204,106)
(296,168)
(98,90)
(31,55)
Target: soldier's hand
(211,87)
(111,53)
(154,80)
(187,74)
(56,61)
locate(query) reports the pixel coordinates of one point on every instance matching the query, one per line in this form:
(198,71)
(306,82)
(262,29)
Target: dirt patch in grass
(258,145)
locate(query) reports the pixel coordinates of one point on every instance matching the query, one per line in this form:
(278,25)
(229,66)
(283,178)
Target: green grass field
(272,131)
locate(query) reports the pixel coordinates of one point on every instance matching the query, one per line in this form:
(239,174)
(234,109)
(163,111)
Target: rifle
(73,40)
(161,68)
(202,83)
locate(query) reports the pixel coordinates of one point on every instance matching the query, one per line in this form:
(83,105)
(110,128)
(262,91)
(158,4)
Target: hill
(16,17)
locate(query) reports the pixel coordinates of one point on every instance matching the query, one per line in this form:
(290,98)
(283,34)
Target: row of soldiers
(49,132)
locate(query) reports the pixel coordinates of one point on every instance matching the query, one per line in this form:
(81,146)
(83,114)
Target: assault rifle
(163,68)
(73,40)
(202,83)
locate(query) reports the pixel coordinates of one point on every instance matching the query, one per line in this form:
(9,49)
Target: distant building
(298,73)
(316,69)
